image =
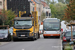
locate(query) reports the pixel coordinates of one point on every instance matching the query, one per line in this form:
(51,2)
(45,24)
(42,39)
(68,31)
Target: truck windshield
(51,26)
(23,22)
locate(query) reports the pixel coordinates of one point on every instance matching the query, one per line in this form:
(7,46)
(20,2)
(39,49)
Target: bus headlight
(58,32)
(44,32)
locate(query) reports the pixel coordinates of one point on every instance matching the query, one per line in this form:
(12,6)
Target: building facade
(1,4)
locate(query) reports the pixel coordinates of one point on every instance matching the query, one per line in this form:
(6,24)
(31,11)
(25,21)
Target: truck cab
(24,28)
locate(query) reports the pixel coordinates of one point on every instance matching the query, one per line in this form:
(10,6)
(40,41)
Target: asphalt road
(40,44)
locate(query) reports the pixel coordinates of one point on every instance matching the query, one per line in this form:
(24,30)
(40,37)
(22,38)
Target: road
(40,44)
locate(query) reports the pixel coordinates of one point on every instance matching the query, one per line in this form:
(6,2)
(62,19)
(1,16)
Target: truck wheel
(36,37)
(9,38)
(14,39)
(32,39)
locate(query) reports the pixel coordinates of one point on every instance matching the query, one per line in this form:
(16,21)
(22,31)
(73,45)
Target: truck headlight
(32,34)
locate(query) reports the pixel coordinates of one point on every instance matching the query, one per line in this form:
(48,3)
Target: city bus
(51,27)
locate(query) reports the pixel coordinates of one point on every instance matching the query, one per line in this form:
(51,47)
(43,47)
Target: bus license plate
(51,35)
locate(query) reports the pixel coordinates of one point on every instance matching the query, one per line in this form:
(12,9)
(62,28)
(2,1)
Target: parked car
(67,38)
(4,33)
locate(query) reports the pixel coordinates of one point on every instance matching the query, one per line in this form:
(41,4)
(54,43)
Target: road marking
(61,45)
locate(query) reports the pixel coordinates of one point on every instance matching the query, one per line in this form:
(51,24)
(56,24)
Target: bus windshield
(51,26)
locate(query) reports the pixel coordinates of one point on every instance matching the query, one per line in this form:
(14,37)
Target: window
(33,8)
(0,3)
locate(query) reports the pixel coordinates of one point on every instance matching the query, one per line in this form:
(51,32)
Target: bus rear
(51,27)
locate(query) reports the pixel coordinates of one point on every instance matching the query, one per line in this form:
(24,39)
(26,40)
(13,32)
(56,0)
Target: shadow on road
(24,40)
(52,38)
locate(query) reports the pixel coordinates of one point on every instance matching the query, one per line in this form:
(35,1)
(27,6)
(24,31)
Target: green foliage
(64,1)
(10,16)
(50,2)
(57,10)
(53,10)
(70,11)
(67,47)
(3,16)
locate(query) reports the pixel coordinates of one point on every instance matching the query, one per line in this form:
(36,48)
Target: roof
(18,18)
(45,4)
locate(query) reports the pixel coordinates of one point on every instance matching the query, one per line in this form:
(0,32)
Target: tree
(60,7)
(67,1)
(53,10)
(10,16)
(64,1)
(3,16)
(70,11)
(50,2)
(57,10)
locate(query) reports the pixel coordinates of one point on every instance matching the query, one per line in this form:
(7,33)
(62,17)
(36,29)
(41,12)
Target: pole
(3,11)
(71,34)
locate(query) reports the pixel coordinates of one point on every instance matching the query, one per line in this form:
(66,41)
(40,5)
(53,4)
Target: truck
(26,27)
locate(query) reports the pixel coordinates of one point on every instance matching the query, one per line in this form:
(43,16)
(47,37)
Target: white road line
(61,45)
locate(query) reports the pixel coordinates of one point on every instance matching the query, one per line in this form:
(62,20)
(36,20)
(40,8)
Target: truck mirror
(33,23)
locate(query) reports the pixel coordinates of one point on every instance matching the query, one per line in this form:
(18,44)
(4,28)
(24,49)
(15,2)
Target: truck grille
(22,32)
